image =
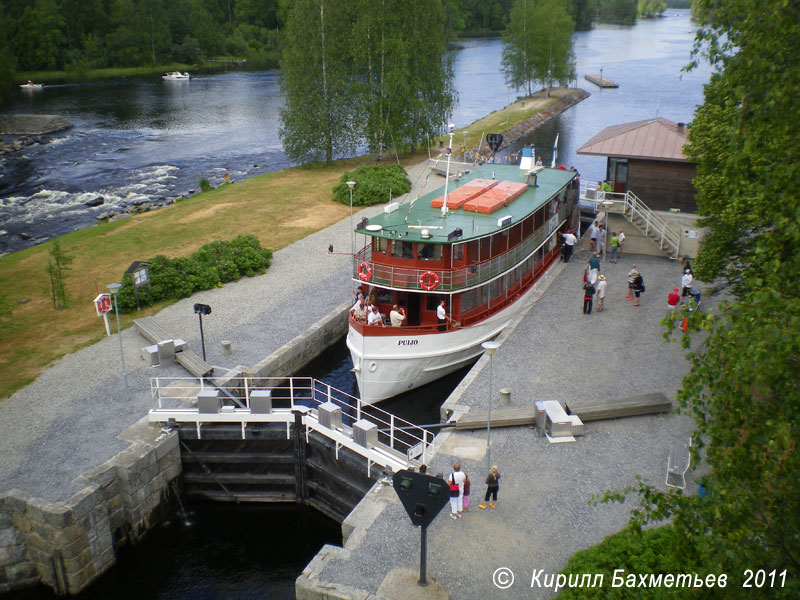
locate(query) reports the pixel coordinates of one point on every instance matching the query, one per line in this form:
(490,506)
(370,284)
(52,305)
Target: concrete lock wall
(292,357)
(67,545)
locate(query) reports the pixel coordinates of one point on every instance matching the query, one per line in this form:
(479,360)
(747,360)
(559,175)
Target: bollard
(505,397)
(226,348)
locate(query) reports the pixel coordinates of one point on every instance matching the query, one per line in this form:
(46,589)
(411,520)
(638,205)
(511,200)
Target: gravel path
(69,420)
(543,515)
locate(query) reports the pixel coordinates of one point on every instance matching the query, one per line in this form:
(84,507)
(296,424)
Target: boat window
(527,227)
(380,245)
(470,300)
(429,251)
(499,243)
(458,252)
(516,235)
(383,296)
(496,289)
(473,252)
(510,279)
(432,301)
(403,249)
(486,248)
(538,219)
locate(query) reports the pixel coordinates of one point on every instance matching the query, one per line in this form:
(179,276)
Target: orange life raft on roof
(497,196)
(468,191)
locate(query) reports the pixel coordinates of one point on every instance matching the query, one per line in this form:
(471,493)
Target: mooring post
(300,475)
(423,552)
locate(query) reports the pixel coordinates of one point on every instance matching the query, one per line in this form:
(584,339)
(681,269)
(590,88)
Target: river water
(141,139)
(145,140)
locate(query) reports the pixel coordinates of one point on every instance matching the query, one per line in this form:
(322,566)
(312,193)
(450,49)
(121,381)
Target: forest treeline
(90,34)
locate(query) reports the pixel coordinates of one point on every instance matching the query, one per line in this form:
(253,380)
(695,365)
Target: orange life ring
(364,271)
(428,281)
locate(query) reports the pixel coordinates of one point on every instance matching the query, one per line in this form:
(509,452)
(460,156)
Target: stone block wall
(67,545)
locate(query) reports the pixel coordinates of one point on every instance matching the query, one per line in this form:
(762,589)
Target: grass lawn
(278,208)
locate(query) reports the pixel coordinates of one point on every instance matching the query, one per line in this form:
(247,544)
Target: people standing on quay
(457,477)
(614,243)
(631,276)
(601,292)
(593,231)
(621,236)
(593,269)
(569,245)
(673,299)
(686,281)
(492,487)
(638,287)
(601,240)
(588,296)
(467,485)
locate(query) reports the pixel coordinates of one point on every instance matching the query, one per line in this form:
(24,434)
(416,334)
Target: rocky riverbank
(32,124)
(523,128)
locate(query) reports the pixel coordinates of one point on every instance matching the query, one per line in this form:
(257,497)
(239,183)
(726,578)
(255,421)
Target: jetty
(601,81)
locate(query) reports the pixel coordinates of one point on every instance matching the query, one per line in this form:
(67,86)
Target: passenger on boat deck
(359,311)
(359,293)
(374,317)
(441,316)
(397,315)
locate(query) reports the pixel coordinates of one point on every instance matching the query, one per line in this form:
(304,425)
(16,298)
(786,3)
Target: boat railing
(376,329)
(451,280)
(175,398)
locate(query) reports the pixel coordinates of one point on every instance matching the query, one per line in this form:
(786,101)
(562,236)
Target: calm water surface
(137,140)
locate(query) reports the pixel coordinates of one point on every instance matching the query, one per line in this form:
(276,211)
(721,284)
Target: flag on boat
(526,162)
(555,153)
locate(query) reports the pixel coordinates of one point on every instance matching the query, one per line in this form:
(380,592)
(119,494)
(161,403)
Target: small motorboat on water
(31,86)
(175,76)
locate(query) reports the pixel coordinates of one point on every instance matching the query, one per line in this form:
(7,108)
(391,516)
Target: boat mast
(449,151)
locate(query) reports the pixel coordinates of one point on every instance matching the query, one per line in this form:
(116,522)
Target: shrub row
(211,266)
(373,184)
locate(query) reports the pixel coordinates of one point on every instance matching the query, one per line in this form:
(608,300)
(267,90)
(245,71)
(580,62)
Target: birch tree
(537,44)
(317,121)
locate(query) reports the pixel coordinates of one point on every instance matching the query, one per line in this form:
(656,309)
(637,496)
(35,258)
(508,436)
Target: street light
(114,289)
(351,185)
(489,348)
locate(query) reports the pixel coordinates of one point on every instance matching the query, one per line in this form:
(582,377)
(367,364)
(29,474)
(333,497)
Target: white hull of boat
(386,366)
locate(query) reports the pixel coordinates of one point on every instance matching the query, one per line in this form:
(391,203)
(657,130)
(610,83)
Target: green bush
(639,552)
(205,186)
(210,266)
(373,183)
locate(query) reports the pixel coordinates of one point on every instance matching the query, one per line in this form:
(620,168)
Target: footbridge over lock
(296,439)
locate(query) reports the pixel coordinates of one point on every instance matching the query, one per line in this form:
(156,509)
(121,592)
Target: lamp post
(351,185)
(114,289)
(489,348)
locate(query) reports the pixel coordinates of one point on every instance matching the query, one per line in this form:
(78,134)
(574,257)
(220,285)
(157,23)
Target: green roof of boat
(395,225)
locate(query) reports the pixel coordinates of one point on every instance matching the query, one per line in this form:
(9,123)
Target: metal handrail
(451,280)
(630,205)
(397,433)
(635,207)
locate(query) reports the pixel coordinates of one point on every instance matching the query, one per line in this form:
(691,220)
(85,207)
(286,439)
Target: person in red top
(673,299)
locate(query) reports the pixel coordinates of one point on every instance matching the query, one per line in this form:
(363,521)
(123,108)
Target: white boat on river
(176,76)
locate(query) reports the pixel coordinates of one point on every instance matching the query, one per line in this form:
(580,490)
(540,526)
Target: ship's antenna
(451,127)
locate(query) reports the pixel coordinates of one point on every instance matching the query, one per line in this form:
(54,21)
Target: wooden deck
(503,417)
(156,334)
(612,408)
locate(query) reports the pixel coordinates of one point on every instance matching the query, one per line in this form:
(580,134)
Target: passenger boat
(175,76)
(31,86)
(480,247)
